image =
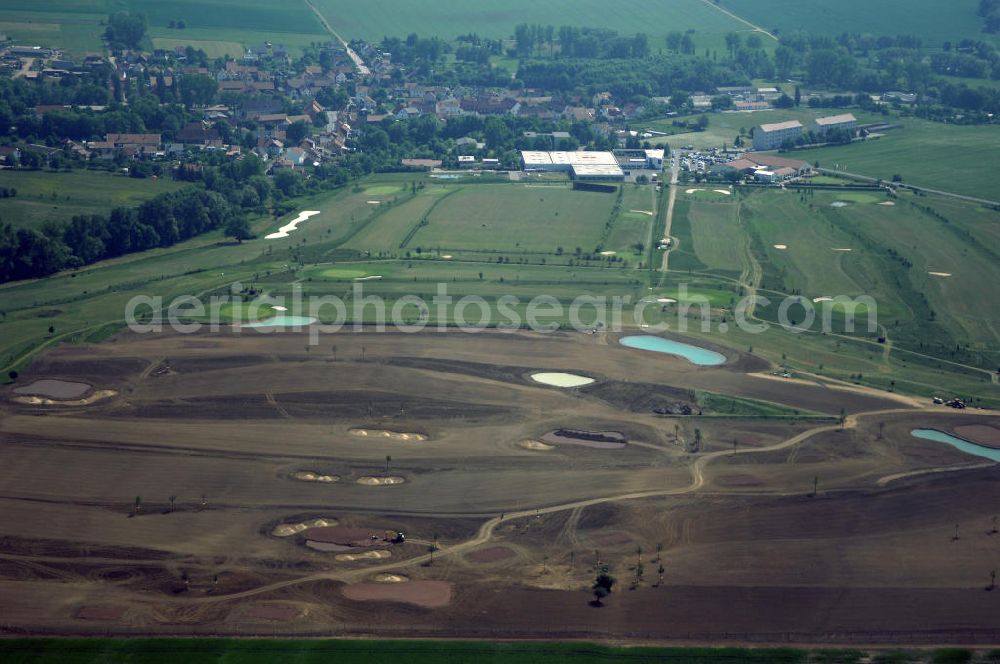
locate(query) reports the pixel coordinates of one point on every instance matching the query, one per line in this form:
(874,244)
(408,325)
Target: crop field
(215,26)
(496,19)
(932,20)
(44,195)
(927,154)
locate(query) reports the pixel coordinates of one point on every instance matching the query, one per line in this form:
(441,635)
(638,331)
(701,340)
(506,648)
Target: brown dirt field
(750,556)
(493,554)
(980,433)
(112,613)
(273,612)
(430,594)
(347,536)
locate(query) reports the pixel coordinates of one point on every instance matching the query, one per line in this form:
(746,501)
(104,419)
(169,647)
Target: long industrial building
(586,166)
(771,136)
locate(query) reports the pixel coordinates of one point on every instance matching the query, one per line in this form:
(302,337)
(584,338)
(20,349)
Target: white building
(844,121)
(771,136)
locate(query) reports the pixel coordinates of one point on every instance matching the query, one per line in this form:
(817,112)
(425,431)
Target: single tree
(388,460)
(602,586)
(173,499)
(138,505)
(843,419)
(12,375)
(334,350)
(994,531)
(881,429)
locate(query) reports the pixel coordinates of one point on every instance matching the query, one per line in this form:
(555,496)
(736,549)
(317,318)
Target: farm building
(844,121)
(771,136)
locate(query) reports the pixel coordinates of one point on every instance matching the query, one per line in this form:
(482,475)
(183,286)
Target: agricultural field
(932,20)
(216,26)
(497,20)
(47,196)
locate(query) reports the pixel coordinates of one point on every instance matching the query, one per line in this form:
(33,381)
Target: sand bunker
(54,389)
(374,202)
(390,578)
(381,481)
(279,308)
(823,299)
(292,225)
(646,212)
(940,274)
(535,445)
(781,247)
(447,257)
(374,277)
(887,203)
(430,594)
(492,554)
(310,476)
(983,434)
(86,401)
(608,253)
(666,300)
(607,440)
(691,191)
(100,613)
(839,204)
(367,555)
(273,612)
(723,191)
(289,529)
(556,379)
(391,435)
(841,249)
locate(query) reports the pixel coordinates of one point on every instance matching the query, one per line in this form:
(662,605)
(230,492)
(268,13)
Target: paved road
(358,62)
(675,170)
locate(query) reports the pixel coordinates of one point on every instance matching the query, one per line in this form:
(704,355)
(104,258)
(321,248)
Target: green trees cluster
(125,31)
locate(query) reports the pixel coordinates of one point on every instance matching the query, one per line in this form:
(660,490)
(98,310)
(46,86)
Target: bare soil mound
(289,529)
(536,445)
(430,594)
(367,555)
(608,440)
(312,476)
(984,434)
(390,578)
(85,401)
(492,554)
(405,437)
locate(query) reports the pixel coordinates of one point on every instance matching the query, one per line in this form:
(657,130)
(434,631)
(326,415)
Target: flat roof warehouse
(580,165)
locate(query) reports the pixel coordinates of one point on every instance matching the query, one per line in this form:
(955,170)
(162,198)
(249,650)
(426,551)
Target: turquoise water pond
(283,321)
(958,443)
(694,354)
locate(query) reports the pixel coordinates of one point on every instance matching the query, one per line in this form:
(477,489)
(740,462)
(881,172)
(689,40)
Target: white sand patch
(691,191)
(289,529)
(390,578)
(557,379)
(446,257)
(838,204)
(647,212)
(723,191)
(666,300)
(841,249)
(291,225)
(279,308)
(781,247)
(374,277)
(536,445)
(374,202)
(940,274)
(367,555)
(380,481)
(887,203)
(608,253)
(310,476)
(86,401)
(391,435)
(823,299)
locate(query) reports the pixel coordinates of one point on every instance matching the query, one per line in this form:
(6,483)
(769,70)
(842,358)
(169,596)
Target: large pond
(694,354)
(282,321)
(957,443)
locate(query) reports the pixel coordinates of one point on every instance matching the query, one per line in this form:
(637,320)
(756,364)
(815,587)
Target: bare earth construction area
(475,501)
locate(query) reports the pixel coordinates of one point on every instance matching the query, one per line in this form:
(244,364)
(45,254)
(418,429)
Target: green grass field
(46,196)
(494,19)
(932,20)
(940,156)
